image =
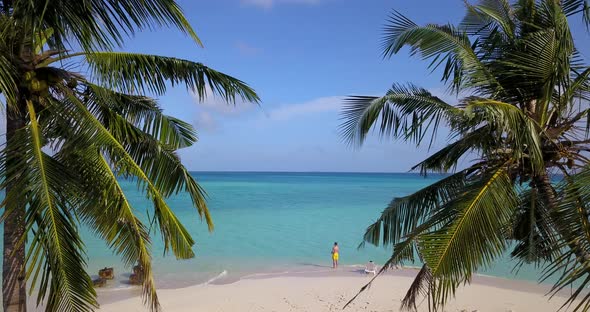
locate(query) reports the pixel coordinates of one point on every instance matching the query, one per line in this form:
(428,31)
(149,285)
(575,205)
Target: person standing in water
(335,255)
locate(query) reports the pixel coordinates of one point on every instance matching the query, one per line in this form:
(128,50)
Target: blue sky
(302,57)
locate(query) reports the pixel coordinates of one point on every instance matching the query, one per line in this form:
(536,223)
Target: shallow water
(272,221)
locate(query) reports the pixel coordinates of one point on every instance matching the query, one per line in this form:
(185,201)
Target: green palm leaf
(142,112)
(446,159)
(533,229)
(571,221)
(98,24)
(520,131)
(127,235)
(476,234)
(174,234)
(154,150)
(573,7)
(523,119)
(8,72)
(579,90)
(444,45)
(56,248)
(131,73)
(402,251)
(490,18)
(404,214)
(142,151)
(104,128)
(421,287)
(406,112)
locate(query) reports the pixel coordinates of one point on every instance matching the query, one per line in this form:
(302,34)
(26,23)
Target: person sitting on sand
(371,267)
(335,255)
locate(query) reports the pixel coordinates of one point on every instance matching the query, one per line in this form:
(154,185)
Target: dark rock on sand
(99,282)
(107,273)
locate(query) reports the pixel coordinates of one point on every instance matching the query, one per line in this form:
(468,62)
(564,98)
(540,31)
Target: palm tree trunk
(14,295)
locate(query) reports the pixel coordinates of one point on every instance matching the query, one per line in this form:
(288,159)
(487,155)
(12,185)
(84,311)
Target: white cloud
(332,104)
(319,105)
(213,108)
(247,49)
(206,121)
(268,4)
(215,103)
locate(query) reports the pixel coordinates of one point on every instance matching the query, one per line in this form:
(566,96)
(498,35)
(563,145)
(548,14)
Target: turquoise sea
(273,222)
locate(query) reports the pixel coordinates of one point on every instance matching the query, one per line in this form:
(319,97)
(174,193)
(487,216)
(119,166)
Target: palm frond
(72,140)
(533,230)
(577,91)
(404,214)
(400,251)
(529,88)
(175,236)
(420,287)
(475,233)
(8,81)
(113,125)
(56,249)
(490,17)
(573,7)
(97,24)
(444,45)
(521,132)
(109,213)
(405,112)
(132,73)
(546,63)
(154,151)
(141,112)
(571,219)
(475,201)
(448,157)
(40,39)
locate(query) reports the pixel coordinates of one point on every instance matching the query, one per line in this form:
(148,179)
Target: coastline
(323,289)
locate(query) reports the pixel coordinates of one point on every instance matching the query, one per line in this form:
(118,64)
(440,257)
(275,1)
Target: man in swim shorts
(335,255)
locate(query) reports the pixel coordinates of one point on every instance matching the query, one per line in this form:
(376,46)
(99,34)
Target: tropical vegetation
(517,173)
(81,116)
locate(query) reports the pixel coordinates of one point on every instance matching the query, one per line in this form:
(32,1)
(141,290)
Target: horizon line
(286,171)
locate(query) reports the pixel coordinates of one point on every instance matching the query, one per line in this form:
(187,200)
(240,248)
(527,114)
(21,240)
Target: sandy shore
(330,291)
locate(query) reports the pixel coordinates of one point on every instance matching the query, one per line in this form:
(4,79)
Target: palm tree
(71,136)
(522,123)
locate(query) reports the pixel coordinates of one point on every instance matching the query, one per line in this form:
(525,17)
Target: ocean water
(274,222)
(267,222)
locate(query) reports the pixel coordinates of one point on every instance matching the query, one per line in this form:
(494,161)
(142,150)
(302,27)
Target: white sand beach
(330,293)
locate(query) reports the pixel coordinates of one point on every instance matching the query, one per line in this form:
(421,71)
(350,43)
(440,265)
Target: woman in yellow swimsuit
(335,255)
